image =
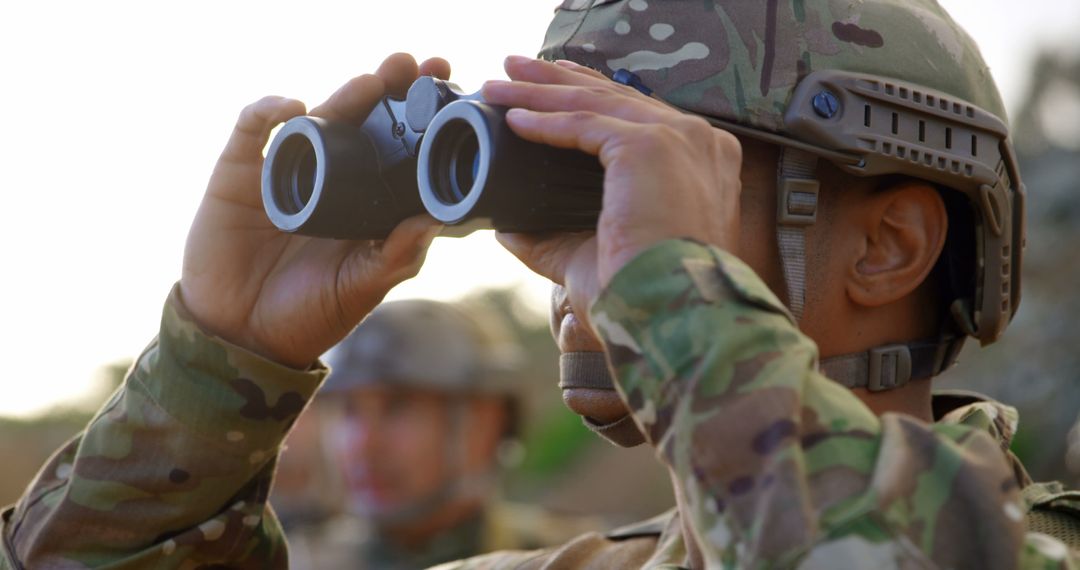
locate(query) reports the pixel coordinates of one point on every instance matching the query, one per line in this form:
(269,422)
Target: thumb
(404,250)
(370,269)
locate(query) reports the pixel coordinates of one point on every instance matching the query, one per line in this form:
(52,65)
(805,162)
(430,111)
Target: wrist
(207,323)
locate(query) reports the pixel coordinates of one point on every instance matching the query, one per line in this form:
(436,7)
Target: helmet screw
(826,105)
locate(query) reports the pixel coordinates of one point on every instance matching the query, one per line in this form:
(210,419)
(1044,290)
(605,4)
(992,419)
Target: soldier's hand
(290,297)
(667,174)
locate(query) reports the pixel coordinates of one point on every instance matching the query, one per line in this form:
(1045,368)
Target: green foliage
(556,441)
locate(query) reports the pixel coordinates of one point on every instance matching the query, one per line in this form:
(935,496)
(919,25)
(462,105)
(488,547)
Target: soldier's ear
(902,232)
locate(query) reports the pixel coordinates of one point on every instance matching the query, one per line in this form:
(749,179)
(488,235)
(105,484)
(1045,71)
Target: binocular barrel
(437,150)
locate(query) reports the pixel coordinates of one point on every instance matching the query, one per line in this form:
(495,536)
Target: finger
(545,254)
(578,68)
(525,247)
(581,130)
(520,68)
(254,125)
(404,249)
(398,71)
(555,98)
(436,67)
(353,101)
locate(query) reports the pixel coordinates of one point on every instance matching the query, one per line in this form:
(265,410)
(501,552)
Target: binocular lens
(294,174)
(456,156)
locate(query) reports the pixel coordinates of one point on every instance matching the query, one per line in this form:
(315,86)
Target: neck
(852,328)
(913,399)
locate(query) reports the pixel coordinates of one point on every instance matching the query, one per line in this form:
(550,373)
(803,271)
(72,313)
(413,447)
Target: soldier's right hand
(289,297)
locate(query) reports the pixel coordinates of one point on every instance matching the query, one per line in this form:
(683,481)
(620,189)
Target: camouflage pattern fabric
(174,471)
(347,542)
(782,467)
(735,61)
(658,543)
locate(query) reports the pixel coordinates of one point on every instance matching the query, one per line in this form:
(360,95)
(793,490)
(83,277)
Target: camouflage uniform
(780,466)
(346,542)
(174,471)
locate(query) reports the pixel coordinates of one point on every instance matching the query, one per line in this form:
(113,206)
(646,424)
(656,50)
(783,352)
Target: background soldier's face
(390,445)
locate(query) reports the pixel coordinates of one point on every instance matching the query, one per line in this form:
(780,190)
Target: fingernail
(518,59)
(518,114)
(494,84)
(566,63)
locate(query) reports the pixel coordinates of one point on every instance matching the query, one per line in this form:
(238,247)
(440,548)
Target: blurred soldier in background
(419,413)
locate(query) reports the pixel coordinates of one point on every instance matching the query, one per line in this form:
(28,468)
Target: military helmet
(427,345)
(875,87)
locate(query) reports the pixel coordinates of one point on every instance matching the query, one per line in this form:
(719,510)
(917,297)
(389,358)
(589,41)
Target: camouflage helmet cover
(742,60)
(427,345)
(908,91)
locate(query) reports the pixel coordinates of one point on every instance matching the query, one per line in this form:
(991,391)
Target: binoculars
(438,150)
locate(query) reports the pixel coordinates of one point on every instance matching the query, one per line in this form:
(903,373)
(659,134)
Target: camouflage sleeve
(779,466)
(174,471)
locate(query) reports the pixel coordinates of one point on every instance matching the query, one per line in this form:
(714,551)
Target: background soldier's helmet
(875,87)
(427,345)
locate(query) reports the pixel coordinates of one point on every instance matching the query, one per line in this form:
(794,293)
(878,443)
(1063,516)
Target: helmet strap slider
(797,204)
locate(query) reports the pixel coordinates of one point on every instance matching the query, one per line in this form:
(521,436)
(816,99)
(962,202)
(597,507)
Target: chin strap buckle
(889,367)
(798,201)
(893,365)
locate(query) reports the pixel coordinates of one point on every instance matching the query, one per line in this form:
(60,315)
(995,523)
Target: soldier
(826,151)
(420,405)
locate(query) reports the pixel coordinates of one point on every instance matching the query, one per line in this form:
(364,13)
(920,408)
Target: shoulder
(513,526)
(1054,511)
(590,550)
(625,547)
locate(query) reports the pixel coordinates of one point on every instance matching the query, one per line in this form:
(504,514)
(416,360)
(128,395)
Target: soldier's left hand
(667,174)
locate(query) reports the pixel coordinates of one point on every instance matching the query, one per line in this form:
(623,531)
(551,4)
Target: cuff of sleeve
(683,271)
(220,391)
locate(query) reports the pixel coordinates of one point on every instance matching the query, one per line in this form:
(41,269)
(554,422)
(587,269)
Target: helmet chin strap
(797,205)
(880,368)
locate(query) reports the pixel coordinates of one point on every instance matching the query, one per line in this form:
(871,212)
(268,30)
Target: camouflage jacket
(779,466)
(174,471)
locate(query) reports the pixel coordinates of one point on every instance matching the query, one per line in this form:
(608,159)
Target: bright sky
(116,111)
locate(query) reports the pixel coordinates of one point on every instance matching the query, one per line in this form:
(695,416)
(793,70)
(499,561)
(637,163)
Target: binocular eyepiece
(437,150)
